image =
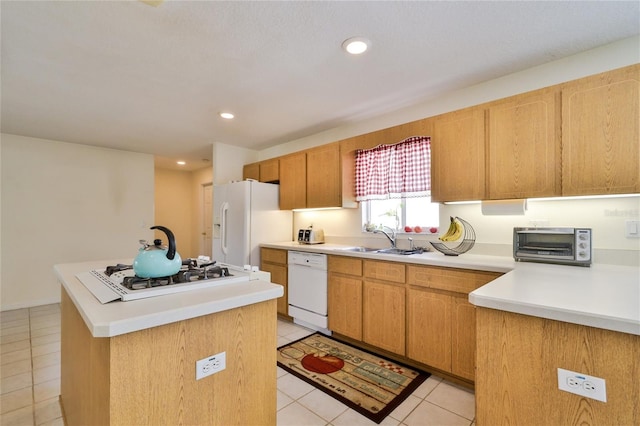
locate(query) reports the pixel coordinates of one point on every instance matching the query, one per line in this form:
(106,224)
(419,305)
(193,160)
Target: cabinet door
(463,335)
(324,185)
(429,328)
(274,261)
(270,170)
(524,146)
(293,181)
(384,316)
(278,276)
(251,171)
(457,156)
(601,134)
(345,305)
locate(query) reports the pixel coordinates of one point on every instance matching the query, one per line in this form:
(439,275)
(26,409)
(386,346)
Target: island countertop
(118,317)
(602,296)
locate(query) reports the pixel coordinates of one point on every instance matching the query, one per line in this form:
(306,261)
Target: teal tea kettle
(155,261)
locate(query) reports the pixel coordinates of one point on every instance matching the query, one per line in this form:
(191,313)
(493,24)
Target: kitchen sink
(391,250)
(400,251)
(360,249)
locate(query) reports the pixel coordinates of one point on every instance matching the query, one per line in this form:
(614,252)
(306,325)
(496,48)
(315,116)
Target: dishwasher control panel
(312,260)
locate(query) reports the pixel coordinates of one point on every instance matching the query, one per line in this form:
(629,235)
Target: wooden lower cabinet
(419,312)
(345,306)
(147,377)
(345,296)
(383,316)
(463,338)
(441,331)
(274,261)
(429,328)
(517,378)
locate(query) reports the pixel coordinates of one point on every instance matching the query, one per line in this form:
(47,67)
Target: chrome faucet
(391,238)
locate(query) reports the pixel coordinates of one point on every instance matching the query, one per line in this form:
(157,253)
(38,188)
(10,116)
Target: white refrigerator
(245,215)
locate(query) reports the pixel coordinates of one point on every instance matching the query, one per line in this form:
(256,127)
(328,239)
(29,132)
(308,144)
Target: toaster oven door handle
(546,231)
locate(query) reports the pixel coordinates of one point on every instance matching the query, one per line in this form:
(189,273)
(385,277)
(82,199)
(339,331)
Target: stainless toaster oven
(568,246)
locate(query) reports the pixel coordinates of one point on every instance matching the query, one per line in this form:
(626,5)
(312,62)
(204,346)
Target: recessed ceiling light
(226,115)
(181,163)
(356,45)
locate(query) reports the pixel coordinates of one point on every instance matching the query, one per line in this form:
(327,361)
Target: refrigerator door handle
(224,210)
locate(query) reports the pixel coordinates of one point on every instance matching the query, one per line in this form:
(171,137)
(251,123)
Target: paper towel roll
(504,207)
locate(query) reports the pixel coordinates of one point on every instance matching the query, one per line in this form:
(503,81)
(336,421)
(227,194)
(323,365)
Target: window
(401,213)
(394,186)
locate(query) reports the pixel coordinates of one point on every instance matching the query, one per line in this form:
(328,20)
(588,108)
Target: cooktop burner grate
(119,281)
(190,272)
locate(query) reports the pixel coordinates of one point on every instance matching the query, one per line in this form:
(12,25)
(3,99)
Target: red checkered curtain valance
(394,171)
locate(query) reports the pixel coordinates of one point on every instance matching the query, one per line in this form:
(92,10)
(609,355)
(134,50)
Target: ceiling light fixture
(226,115)
(356,45)
(181,163)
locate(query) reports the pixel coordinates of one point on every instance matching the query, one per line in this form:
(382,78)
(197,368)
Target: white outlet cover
(582,384)
(632,229)
(211,365)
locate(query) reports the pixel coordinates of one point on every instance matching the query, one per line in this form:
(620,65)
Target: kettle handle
(171,252)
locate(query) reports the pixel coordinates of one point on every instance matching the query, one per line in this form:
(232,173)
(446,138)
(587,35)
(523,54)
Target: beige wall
(199,178)
(179,207)
(174,207)
(64,203)
(228,161)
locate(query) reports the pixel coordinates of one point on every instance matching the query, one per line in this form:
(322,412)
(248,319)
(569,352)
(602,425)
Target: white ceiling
(126,75)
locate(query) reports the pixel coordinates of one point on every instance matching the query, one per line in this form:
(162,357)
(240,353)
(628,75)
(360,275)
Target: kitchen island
(541,318)
(126,363)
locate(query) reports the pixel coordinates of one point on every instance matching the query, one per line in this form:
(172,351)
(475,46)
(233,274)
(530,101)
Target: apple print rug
(369,384)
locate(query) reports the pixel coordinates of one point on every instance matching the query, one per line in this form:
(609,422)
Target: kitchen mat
(369,384)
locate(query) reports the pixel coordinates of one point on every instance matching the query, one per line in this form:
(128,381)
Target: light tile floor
(30,382)
(435,402)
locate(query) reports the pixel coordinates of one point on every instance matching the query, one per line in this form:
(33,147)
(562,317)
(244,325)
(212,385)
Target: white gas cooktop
(109,288)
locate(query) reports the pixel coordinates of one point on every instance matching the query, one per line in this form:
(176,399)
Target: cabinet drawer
(345,265)
(273,256)
(387,271)
(456,280)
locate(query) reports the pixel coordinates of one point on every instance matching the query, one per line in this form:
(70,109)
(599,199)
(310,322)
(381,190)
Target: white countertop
(601,296)
(118,317)
(434,258)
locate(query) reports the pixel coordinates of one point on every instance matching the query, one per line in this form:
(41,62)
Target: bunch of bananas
(455,231)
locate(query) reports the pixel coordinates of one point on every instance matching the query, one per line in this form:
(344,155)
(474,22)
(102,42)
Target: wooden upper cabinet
(324,184)
(313,179)
(293,181)
(263,171)
(270,170)
(600,133)
(523,154)
(457,156)
(251,171)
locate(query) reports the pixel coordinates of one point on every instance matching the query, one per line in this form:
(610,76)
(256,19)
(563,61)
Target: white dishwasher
(307,289)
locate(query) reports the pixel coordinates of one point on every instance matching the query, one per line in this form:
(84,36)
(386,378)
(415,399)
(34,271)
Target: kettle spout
(171,251)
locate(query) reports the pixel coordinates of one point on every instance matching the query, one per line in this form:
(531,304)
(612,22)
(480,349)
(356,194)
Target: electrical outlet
(211,365)
(582,384)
